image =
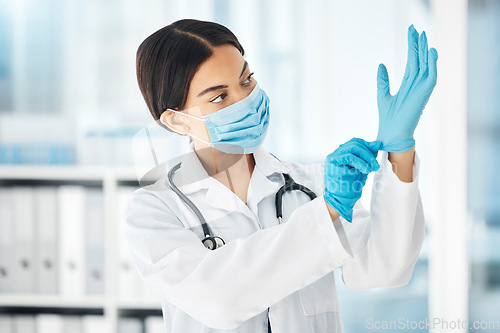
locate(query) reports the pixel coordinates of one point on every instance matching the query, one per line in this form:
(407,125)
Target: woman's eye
(249,78)
(219,98)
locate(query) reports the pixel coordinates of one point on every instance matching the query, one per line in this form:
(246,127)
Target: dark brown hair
(168,59)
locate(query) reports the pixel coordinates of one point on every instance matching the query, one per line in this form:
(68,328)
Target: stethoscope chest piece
(213,243)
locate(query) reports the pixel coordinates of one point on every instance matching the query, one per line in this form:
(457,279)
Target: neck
(217,162)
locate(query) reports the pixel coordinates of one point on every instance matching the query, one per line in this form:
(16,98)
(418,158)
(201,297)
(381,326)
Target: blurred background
(70,106)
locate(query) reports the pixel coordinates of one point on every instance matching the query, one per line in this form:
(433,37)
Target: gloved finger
(355,141)
(422,54)
(350,159)
(412,60)
(368,156)
(374,146)
(343,159)
(346,146)
(383,88)
(359,143)
(367,151)
(433,56)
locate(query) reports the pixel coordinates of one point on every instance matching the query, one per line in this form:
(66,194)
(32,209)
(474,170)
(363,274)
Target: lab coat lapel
(265,179)
(260,187)
(222,197)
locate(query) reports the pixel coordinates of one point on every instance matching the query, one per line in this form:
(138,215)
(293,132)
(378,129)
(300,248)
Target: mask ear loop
(210,144)
(194,136)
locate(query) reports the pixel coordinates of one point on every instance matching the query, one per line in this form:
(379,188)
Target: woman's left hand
(346,171)
(399,114)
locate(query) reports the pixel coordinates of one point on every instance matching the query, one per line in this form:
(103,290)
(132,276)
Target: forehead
(223,67)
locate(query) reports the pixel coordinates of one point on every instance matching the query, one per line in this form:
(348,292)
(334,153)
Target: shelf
(65,172)
(51,301)
(139,305)
(109,305)
(39,300)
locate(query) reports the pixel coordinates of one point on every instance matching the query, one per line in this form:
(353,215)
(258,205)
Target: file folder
(46,226)
(7,244)
(94,224)
(71,208)
(130,285)
(24,235)
(49,323)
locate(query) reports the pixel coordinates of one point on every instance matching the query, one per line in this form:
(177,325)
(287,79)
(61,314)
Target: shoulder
(157,194)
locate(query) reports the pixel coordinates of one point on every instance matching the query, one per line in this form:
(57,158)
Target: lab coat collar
(267,163)
(193,176)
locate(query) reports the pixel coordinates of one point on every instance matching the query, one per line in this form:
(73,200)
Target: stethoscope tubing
(290,185)
(213,242)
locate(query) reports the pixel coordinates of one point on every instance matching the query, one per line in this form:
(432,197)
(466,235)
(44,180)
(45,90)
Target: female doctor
(255,272)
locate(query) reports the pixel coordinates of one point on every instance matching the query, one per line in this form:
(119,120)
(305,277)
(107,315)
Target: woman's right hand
(346,170)
(400,114)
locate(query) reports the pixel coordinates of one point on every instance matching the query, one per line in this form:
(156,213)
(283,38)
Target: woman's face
(223,79)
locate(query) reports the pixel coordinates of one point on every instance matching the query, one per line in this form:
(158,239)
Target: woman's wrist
(402,164)
(334,214)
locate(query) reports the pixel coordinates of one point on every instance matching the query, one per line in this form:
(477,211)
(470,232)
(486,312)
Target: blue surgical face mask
(239,128)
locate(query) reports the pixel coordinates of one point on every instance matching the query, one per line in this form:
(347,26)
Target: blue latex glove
(399,114)
(346,170)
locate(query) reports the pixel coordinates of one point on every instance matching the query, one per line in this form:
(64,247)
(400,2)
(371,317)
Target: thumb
(383,87)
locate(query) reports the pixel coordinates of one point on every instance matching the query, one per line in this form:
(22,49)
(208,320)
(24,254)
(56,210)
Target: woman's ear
(174,122)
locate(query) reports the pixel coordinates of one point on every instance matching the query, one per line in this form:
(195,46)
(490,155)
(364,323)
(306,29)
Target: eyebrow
(221,85)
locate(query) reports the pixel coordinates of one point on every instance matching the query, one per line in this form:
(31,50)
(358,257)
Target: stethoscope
(214,242)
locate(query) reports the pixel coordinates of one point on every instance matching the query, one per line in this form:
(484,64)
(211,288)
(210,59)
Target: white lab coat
(265,269)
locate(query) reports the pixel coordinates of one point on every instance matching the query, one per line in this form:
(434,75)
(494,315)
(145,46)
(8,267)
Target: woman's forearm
(402,164)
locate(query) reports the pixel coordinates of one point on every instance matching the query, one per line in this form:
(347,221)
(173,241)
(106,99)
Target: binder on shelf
(130,284)
(49,323)
(71,209)
(6,325)
(129,325)
(94,323)
(7,244)
(62,227)
(154,324)
(24,253)
(94,224)
(23,323)
(46,226)
(72,324)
